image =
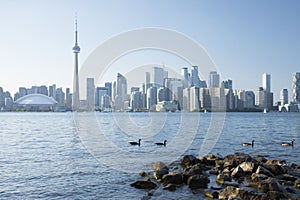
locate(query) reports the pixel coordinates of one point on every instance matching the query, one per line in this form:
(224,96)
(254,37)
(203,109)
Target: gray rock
(170,187)
(173,177)
(271,184)
(262,170)
(198,181)
(237,172)
(159,166)
(143,185)
(189,160)
(248,167)
(221,178)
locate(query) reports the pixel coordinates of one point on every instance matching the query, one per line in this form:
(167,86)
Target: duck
(161,143)
(135,143)
(288,144)
(248,144)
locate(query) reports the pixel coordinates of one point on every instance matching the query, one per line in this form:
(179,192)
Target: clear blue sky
(244,38)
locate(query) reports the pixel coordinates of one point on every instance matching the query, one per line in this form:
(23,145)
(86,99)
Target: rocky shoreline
(237,176)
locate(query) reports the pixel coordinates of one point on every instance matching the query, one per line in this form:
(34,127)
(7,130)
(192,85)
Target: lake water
(87,156)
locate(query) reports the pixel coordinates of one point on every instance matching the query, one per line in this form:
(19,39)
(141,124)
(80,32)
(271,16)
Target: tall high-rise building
(261,100)
(147,84)
(227,84)
(214,79)
(296,87)
(284,97)
(90,94)
(151,98)
(100,92)
(195,81)
(185,77)
(194,99)
(121,86)
(266,82)
(75,96)
(158,77)
(108,85)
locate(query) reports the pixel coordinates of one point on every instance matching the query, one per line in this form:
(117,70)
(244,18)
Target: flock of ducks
(157,143)
(244,144)
(285,144)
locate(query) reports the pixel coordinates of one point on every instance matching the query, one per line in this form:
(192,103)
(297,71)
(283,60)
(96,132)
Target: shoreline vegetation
(235,176)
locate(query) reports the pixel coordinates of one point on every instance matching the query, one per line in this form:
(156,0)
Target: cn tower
(75,96)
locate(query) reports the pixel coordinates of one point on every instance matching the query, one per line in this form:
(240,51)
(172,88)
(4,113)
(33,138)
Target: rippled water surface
(44,155)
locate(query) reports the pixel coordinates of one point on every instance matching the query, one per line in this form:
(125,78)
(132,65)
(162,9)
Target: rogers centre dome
(36,99)
(36,102)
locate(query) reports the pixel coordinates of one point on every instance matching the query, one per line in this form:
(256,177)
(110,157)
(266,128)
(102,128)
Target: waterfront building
(194,99)
(68,103)
(185,77)
(205,99)
(162,94)
(172,85)
(105,102)
(108,85)
(214,79)
(147,83)
(121,86)
(158,77)
(166,106)
(284,98)
(229,99)
(195,81)
(135,101)
(227,84)
(75,96)
(90,94)
(8,104)
(60,98)
(249,100)
(186,99)
(261,100)
(218,99)
(52,91)
(266,82)
(296,87)
(151,98)
(134,89)
(100,92)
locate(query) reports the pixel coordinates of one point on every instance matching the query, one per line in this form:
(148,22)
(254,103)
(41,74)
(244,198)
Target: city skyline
(244,40)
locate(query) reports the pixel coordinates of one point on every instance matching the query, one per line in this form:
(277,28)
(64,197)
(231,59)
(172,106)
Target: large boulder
(189,160)
(222,178)
(248,167)
(143,185)
(231,192)
(237,172)
(160,169)
(190,171)
(198,181)
(173,177)
(262,170)
(271,184)
(276,169)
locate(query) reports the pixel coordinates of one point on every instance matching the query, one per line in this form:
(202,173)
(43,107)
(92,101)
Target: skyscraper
(284,98)
(195,81)
(75,96)
(266,82)
(185,77)
(214,79)
(90,94)
(296,87)
(158,77)
(147,85)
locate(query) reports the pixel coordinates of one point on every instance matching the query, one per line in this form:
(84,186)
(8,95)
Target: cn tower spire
(76,51)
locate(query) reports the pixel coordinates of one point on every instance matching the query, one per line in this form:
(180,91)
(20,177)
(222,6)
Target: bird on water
(288,144)
(135,143)
(248,144)
(161,143)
